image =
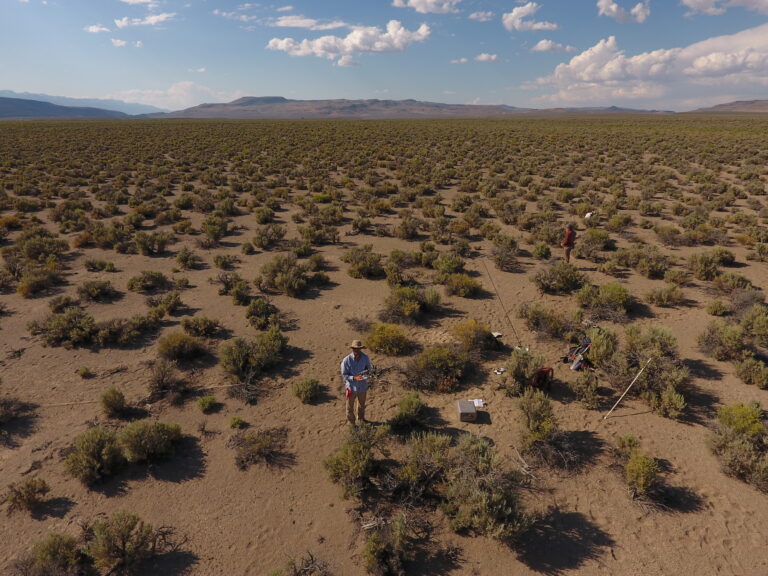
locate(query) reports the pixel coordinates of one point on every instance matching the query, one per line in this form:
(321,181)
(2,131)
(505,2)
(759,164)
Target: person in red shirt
(569,241)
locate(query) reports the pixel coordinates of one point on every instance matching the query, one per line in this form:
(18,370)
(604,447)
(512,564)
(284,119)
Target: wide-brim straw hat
(356,344)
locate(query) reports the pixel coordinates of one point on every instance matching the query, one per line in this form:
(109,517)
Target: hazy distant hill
(742,106)
(105,104)
(279,107)
(20,108)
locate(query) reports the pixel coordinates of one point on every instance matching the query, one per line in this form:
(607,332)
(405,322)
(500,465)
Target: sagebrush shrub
(540,422)
(97,291)
(307,390)
(352,465)
(542,320)
(473,335)
(200,326)
(462,284)
(559,278)
(605,344)
(363,262)
(261,313)
(666,297)
(388,339)
(606,302)
(641,472)
(480,496)
(71,327)
(207,404)
(149,281)
(520,369)
(721,340)
(180,346)
(753,372)
(113,402)
(95,456)
(410,412)
(122,542)
(55,555)
(145,441)
(26,495)
(585,389)
(504,252)
(438,368)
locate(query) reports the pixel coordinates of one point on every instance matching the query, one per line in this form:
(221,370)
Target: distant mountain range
(277,107)
(118,105)
(20,108)
(741,107)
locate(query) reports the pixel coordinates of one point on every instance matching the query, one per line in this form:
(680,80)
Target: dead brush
(260,446)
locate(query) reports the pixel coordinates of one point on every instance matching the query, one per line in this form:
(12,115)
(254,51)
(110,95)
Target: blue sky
(665,54)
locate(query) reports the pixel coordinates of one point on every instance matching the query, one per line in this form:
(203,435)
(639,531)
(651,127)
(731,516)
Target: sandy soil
(250,522)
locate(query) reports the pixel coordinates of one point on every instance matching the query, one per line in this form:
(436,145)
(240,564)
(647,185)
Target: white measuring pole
(627,390)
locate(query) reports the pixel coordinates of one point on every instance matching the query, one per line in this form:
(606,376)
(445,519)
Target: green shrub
(145,441)
(729,282)
(520,368)
(585,389)
(671,403)
(353,464)
(481,497)
(180,346)
(541,251)
(605,344)
(717,308)
(626,444)
(722,341)
(207,404)
(60,303)
(188,259)
(26,495)
(363,262)
(739,441)
(704,266)
(504,252)
(755,324)
(225,261)
(284,274)
(676,277)
(607,302)
(410,412)
(122,542)
(35,281)
(96,455)
(388,339)
(473,335)
(406,304)
(307,390)
(463,285)
(540,422)
(153,243)
(261,313)
(646,260)
(55,555)
(113,402)
(200,326)
(752,371)
(592,242)
(641,472)
(215,228)
(96,265)
(237,423)
(559,278)
(72,327)
(245,358)
(669,296)
(542,320)
(269,236)
(164,381)
(385,550)
(84,372)
(148,281)
(438,368)
(125,331)
(258,446)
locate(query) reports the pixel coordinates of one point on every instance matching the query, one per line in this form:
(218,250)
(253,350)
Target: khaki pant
(360,396)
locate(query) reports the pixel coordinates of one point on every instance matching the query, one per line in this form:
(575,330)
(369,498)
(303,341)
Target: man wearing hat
(354,370)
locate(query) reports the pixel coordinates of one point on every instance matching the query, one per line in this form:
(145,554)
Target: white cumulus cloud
(285,8)
(360,40)
(715,7)
(117,43)
(604,73)
(296,21)
(460,61)
(150,20)
(177,96)
(481,16)
(516,20)
(551,46)
(197,70)
(486,57)
(639,13)
(96,28)
(429,6)
(235,16)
